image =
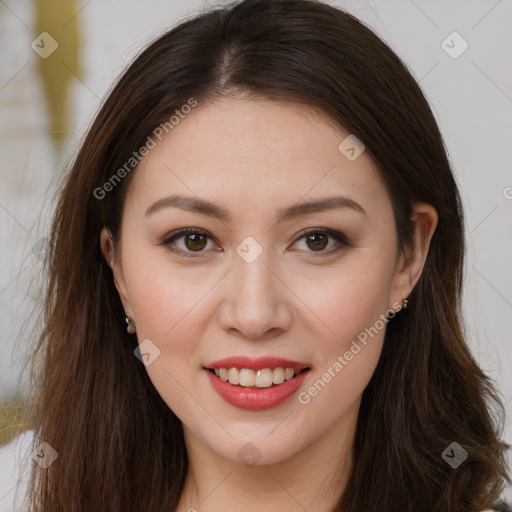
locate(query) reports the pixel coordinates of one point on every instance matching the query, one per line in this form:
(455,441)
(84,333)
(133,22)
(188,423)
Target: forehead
(262,151)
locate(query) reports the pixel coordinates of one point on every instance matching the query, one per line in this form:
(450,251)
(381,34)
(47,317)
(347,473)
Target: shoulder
(505,505)
(14,471)
(502,507)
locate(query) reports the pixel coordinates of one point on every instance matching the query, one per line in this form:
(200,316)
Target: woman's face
(249,284)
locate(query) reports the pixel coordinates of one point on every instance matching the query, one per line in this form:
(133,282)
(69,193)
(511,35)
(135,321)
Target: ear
(109,253)
(411,261)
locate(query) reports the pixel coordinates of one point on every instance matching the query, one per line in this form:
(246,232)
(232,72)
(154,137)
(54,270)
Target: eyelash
(343,241)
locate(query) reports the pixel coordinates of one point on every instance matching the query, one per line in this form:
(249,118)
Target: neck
(312,479)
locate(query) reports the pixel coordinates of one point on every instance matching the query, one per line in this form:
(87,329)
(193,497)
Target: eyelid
(185,231)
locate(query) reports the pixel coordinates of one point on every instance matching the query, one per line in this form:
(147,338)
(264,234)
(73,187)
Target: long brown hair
(120,446)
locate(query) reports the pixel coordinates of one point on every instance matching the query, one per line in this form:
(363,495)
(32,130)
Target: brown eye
(196,242)
(317,241)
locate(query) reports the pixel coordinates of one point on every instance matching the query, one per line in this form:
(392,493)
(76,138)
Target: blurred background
(59,57)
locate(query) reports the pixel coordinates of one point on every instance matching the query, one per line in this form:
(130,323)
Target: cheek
(169,310)
(352,304)
(348,299)
(354,310)
(163,296)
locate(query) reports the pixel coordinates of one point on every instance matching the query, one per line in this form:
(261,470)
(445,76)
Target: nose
(256,299)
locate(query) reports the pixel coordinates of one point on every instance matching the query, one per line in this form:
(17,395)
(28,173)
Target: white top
(15,458)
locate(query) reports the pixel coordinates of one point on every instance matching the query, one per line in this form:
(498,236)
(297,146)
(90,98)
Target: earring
(130,328)
(404,303)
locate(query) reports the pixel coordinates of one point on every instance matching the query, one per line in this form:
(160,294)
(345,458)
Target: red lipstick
(256,399)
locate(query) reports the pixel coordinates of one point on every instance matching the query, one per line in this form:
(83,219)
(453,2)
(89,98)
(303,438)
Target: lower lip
(256,399)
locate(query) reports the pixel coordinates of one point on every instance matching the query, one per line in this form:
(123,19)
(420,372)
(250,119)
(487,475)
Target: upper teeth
(260,378)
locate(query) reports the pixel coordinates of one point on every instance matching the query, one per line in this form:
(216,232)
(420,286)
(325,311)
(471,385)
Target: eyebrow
(205,207)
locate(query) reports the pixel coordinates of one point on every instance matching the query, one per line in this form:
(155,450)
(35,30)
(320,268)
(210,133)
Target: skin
(254,157)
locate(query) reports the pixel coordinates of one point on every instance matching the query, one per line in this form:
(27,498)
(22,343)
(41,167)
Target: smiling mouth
(256,379)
